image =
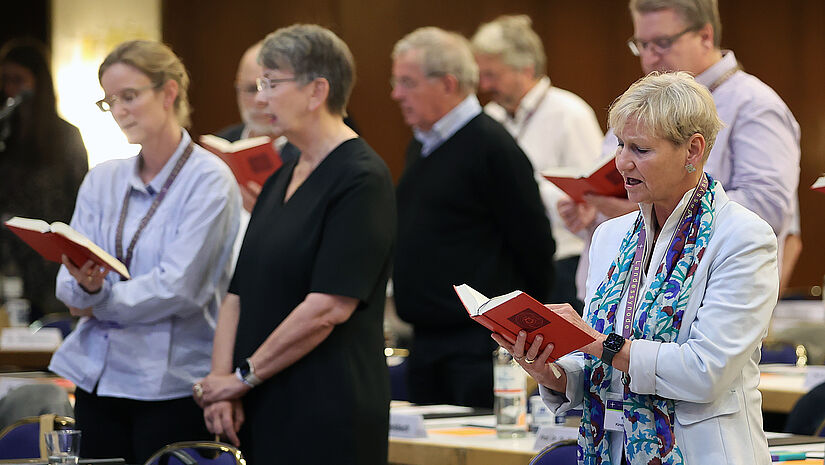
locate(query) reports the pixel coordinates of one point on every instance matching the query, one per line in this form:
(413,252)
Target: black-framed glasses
(658,45)
(264,83)
(125,97)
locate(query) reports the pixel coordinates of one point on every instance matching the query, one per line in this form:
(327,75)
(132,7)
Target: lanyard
(532,112)
(724,77)
(152,209)
(638,257)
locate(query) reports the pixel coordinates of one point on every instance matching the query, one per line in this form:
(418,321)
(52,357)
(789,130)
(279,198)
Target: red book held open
(56,239)
(819,184)
(602,179)
(253,159)
(510,313)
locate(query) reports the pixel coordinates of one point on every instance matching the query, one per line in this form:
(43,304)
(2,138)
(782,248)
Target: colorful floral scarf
(648,419)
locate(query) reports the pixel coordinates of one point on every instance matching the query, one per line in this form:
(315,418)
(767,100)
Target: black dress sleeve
(357,237)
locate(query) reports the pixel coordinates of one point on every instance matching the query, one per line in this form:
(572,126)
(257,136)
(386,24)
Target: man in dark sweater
(469,211)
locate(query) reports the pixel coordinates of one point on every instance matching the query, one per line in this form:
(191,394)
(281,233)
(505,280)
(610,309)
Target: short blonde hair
(160,64)
(442,53)
(672,106)
(513,40)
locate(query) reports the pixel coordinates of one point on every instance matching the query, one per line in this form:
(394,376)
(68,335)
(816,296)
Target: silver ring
(198,389)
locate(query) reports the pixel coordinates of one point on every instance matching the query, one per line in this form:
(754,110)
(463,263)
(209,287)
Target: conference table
(472,441)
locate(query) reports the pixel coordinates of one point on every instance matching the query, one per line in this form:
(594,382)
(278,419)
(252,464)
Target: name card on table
(24,339)
(814,376)
(551,434)
(407,425)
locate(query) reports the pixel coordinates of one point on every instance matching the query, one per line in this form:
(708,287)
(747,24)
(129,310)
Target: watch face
(245,370)
(614,342)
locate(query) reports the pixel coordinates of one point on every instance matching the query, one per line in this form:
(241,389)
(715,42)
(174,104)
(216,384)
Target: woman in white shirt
(170,214)
(679,296)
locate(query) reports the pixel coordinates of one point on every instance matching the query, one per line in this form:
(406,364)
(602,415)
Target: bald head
(252,113)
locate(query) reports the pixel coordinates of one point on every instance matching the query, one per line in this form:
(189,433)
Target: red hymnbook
(253,159)
(819,184)
(510,313)
(56,239)
(601,179)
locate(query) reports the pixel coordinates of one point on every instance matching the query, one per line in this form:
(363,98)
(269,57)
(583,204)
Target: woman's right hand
(576,216)
(225,418)
(535,363)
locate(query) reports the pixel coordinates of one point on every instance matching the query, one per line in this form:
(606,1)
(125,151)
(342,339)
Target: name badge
(614,412)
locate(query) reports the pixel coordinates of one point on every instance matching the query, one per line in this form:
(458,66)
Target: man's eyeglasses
(125,97)
(658,45)
(264,83)
(247,88)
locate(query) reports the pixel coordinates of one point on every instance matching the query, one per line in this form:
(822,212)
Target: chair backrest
(197,453)
(65,322)
(399,368)
(21,439)
(808,415)
(558,453)
(784,352)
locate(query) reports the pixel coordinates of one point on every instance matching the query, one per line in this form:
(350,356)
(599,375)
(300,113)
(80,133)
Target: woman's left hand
(569,313)
(89,276)
(215,388)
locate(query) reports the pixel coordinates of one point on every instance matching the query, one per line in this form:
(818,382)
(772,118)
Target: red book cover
(601,179)
(516,311)
(253,159)
(56,239)
(819,184)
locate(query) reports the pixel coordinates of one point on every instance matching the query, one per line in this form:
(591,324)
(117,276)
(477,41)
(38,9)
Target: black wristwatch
(611,346)
(246,373)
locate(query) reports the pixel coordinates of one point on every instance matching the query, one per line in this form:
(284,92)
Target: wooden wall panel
(780,42)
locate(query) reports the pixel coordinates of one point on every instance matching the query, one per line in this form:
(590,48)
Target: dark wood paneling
(781,42)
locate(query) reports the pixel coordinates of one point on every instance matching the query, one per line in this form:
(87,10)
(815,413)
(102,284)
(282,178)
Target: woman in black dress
(298,352)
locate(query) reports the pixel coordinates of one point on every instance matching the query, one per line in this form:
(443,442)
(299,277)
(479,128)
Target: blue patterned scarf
(648,419)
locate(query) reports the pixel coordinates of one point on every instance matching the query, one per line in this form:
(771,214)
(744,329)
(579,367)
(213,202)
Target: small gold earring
(690,168)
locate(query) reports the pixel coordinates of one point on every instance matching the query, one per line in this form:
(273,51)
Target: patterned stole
(648,419)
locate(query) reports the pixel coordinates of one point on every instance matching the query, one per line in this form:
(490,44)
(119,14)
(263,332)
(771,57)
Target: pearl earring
(690,168)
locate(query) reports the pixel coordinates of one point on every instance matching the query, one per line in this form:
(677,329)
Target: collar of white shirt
(710,75)
(531,101)
(448,125)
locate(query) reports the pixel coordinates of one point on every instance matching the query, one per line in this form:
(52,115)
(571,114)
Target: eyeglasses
(126,97)
(408,83)
(658,45)
(264,83)
(247,88)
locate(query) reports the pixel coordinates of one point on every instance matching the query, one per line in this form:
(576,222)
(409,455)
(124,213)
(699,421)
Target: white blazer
(711,371)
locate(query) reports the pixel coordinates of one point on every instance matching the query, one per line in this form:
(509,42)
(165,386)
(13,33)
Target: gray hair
(442,53)
(160,64)
(311,52)
(672,106)
(696,13)
(512,39)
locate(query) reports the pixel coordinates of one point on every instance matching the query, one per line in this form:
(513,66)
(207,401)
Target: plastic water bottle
(510,393)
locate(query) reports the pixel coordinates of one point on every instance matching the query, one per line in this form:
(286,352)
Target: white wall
(83,33)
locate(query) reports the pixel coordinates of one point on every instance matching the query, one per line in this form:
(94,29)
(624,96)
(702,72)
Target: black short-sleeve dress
(334,235)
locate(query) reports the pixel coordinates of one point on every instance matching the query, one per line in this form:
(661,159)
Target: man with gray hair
(756,155)
(469,211)
(554,127)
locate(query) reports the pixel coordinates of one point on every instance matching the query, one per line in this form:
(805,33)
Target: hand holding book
(512,313)
(89,276)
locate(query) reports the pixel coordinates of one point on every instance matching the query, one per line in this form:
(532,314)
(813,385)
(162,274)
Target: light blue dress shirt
(151,336)
(448,125)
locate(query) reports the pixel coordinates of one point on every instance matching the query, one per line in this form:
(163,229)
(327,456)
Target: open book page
(576,172)
(819,184)
(496,301)
(230,147)
(29,223)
